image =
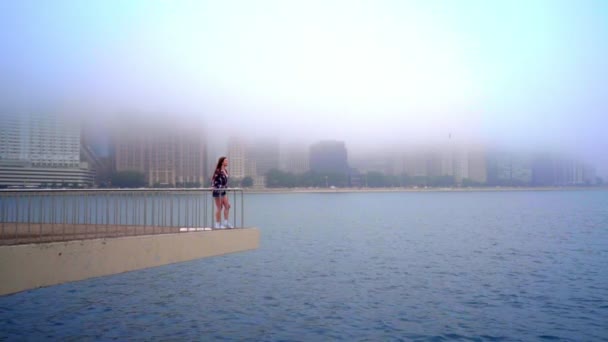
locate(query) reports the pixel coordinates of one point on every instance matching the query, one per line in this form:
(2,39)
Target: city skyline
(521,74)
(177,156)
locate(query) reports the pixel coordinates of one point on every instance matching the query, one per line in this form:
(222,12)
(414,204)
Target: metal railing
(37,215)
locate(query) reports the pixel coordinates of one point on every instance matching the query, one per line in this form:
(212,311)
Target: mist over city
(303,170)
(378,76)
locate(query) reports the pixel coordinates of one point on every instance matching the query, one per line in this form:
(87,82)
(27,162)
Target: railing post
(235,207)
(17,218)
(145,199)
(29,215)
(40,215)
(107,214)
(64,215)
(3,215)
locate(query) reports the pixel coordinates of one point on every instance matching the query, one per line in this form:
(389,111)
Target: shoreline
(471,189)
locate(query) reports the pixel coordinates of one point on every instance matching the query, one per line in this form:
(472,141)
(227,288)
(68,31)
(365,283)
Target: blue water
(360,266)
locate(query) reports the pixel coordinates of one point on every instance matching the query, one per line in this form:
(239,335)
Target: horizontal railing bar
(116,190)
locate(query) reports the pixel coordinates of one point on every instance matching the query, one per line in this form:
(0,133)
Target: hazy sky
(520,72)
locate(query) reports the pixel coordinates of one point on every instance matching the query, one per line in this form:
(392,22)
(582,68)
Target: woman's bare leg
(218,209)
(226,205)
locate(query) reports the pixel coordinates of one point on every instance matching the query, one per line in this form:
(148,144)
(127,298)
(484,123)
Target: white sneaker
(227,225)
(217,225)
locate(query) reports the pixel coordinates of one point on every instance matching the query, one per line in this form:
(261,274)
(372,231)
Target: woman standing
(220,183)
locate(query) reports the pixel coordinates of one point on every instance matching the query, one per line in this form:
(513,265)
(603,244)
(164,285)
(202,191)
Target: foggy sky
(522,73)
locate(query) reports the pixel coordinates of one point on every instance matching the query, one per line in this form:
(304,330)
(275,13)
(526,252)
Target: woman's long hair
(220,162)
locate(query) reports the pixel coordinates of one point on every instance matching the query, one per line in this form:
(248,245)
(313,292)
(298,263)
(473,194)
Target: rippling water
(360,266)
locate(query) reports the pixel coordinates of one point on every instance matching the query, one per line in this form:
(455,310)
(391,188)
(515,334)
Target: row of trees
(63,185)
(372,179)
(280,179)
(134,179)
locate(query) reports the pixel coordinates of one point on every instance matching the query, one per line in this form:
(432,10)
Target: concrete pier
(29,266)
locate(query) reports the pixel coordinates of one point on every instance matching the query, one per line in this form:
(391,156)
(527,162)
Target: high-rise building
(42,140)
(434,163)
(295,159)
(550,169)
(477,166)
(167,156)
(41,149)
(461,164)
(447,160)
(507,168)
(415,162)
(237,158)
(589,175)
(129,149)
(162,163)
(329,157)
(191,157)
(265,153)
(373,162)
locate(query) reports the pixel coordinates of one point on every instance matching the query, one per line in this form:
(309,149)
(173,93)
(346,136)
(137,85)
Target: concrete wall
(24,267)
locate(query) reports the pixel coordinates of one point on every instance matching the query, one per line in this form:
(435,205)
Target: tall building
(265,153)
(589,175)
(329,157)
(414,162)
(41,149)
(510,169)
(130,150)
(373,162)
(461,164)
(550,169)
(167,156)
(477,166)
(435,165)
(295,159)
(237,157)
(447,160)
(42,140)
(162,161)
(191,157)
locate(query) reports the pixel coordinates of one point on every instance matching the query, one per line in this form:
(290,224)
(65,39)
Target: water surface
(360,266)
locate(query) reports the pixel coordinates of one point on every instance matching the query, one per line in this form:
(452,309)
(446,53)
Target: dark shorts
(218,193)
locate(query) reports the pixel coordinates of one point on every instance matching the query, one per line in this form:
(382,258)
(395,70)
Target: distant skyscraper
(129,149)
(415,162)
(461,164)
(191,156)
(373,162)
(265,153)
(295,159)
(161,155)
(506,168)
(447,160)
(237,158)
(477,165)
(42,140)
(434,163)
(589,175)
(550,169)
(174,156)
(41,149)
(329,156)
